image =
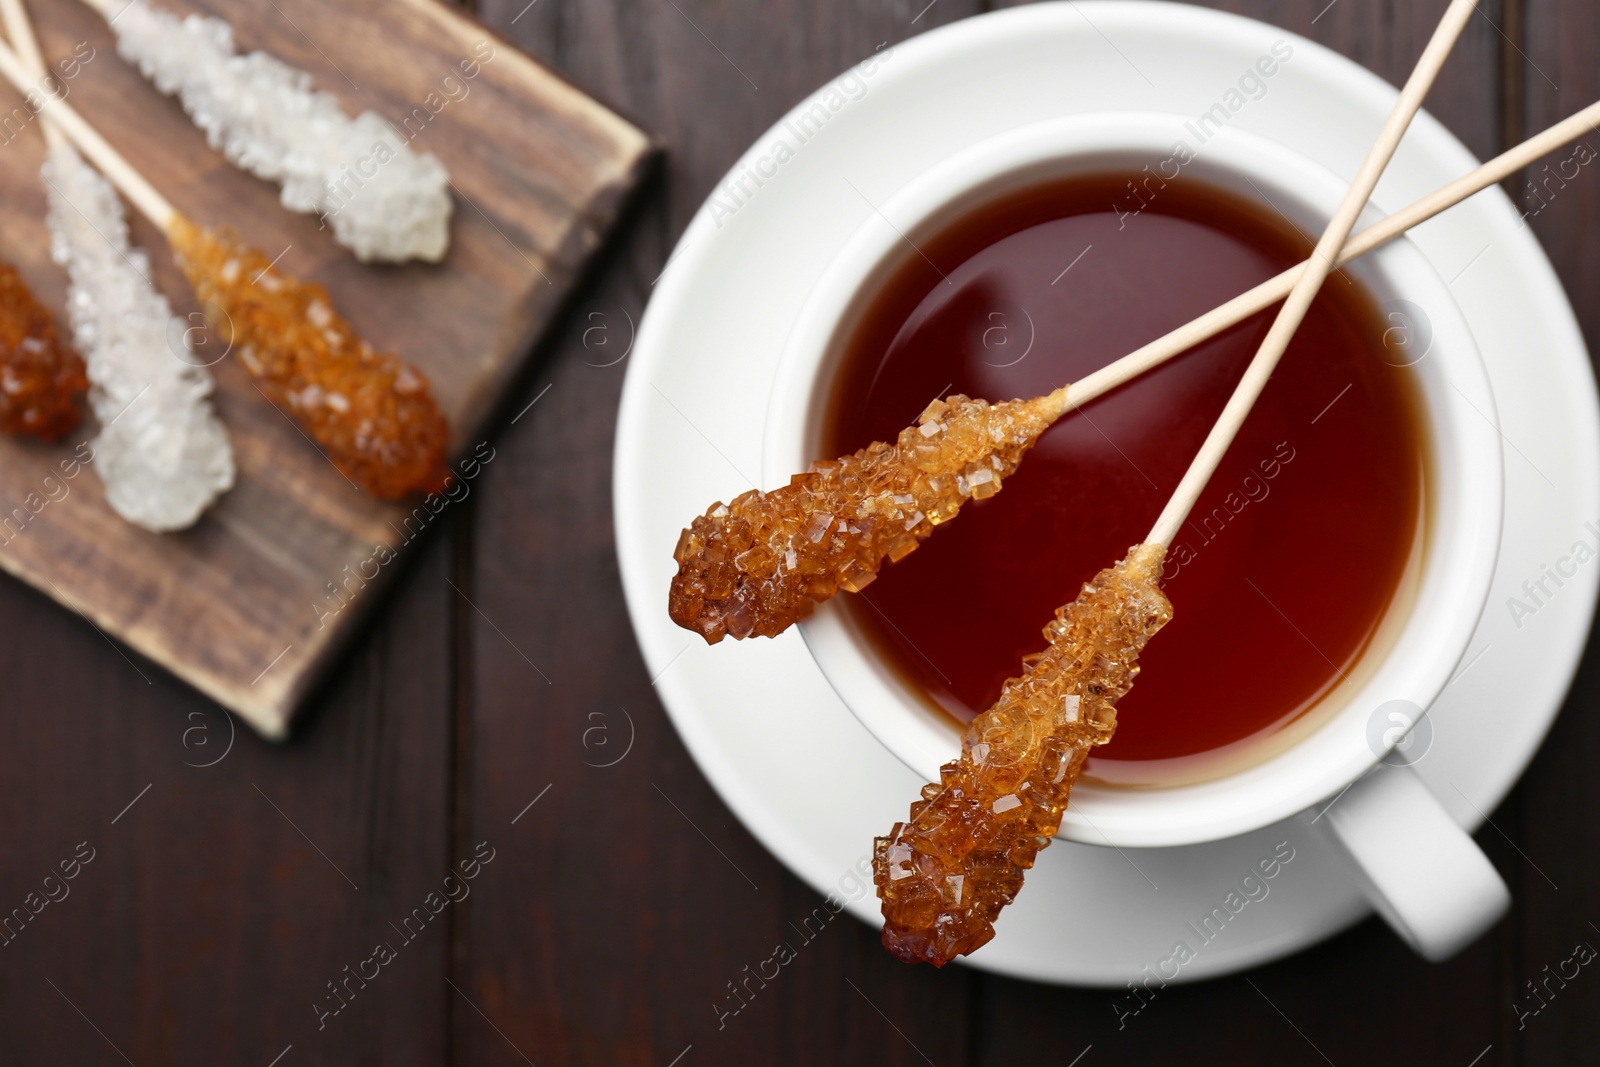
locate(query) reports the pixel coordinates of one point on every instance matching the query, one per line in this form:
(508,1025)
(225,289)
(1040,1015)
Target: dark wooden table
(222,902)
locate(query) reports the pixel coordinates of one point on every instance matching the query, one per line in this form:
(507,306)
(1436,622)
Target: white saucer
(781,749)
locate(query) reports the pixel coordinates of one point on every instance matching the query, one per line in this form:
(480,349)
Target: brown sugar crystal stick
(371,413)
(758,565)
(945,873)
(41,376)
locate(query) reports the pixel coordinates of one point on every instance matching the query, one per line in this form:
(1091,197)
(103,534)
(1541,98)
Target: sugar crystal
(40,376)
(162,452)
(835,525)
(994,808)
(384,201)
(371,414)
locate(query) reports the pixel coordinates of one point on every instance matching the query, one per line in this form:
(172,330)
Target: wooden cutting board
(252,604)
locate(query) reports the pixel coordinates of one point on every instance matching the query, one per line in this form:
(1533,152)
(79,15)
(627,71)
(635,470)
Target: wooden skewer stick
(1091,386)
(1312,276)
(1276,288)
(140,193)
(20,29)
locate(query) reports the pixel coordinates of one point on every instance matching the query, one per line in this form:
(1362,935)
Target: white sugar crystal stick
(382,200)
(162,452)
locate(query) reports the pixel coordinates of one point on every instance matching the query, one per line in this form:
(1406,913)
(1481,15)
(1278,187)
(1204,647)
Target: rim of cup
(1423,637)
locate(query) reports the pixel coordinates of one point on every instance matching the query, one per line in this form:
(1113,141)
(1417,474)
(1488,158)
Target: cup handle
(1420,870)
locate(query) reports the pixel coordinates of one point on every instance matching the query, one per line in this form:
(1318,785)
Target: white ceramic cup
(1422,872)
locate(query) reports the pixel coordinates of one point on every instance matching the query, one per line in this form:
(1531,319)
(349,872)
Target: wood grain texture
(1555,812)
(216,908)
(617,907)
(640,864)
(281,570)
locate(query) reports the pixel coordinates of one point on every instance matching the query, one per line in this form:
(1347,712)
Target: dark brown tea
(1284,571)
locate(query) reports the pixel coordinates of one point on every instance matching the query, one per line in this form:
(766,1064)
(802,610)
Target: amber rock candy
(945,873)
(373,414)
(40,377)
(758,565)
